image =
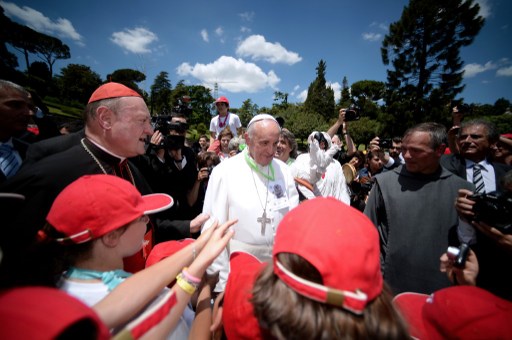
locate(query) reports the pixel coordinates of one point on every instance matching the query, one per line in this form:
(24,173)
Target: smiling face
(283,149)
(474,142)
(262,141)
(129,128)
(418,153)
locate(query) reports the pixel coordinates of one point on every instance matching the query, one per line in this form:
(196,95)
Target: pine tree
(423,48)
(320,98)
(161,94)
(345,93)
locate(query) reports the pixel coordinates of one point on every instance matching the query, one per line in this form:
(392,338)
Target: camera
(495,209)
(173,142)
(352,113)
(458,255)
(165,125)
(385,143)
(320,138)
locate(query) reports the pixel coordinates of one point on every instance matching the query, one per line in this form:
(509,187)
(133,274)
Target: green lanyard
(252,163)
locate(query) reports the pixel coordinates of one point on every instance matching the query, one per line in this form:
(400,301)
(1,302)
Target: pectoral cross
(263,220)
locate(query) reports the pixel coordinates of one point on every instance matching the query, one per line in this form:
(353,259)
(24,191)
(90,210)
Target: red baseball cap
(507,135)
(341,243)
(112,90)
(222,100)
(44,313)
(95,205)
(166,249)
(459,312)
(238,313)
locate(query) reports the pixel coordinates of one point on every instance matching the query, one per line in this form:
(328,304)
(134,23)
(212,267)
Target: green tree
(423,48)
(345,94)
(128,77)
(160,94)
(280,101)
(366,94)
(302,123)
(320,98)
(77,82)
(50,49)
(247,111)
(8,60)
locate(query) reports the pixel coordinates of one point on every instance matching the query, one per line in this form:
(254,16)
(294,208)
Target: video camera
(494,209)
(165,125)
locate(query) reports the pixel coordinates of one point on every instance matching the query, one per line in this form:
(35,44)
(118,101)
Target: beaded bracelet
(190,278)
(185,285)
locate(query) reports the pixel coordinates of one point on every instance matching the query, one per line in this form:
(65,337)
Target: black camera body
(494,209)
(352,113)
(385,143)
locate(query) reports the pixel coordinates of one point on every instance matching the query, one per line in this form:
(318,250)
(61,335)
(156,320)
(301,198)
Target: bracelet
(190,278)
(185,285)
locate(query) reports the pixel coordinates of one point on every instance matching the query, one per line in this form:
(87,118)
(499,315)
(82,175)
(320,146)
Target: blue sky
(253,48)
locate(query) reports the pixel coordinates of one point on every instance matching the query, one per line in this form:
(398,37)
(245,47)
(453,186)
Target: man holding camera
(174,167)
(475,142)
(412,208)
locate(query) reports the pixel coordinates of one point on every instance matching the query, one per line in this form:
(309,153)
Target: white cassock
(236,191)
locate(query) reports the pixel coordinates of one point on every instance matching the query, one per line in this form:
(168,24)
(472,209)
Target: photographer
(493,246)
(343,119)
(391,159)
(174,167)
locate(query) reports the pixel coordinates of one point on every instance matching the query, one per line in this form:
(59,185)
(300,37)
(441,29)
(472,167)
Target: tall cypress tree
(320,99)
(423,48)
(161,94)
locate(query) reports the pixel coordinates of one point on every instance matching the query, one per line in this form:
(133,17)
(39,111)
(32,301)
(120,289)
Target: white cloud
(371,36)
(233,75)
(336,87)
(471,70)
(219,32)
(204,35)
(244,29)
(504,72)
(256,47)
(135,40)
(302,96)
(246,16)
(485,8)
(63,28)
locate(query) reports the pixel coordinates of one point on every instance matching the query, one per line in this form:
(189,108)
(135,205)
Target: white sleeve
(213,125)
(215,205)
(238,124)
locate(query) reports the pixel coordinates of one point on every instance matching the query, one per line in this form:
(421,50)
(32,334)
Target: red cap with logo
(95,205)
(112,90)
(341,243)
(459,312)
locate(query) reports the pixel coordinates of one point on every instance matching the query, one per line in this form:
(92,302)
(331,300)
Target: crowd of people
(132,230)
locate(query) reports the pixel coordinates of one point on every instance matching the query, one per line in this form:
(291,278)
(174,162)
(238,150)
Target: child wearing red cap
(324,281)
(97,221)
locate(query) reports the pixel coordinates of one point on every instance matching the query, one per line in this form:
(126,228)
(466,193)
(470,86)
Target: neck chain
(101,166)
(263,220)
(223,123)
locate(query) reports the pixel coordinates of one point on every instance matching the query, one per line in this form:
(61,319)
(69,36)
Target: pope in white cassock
(253,188)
